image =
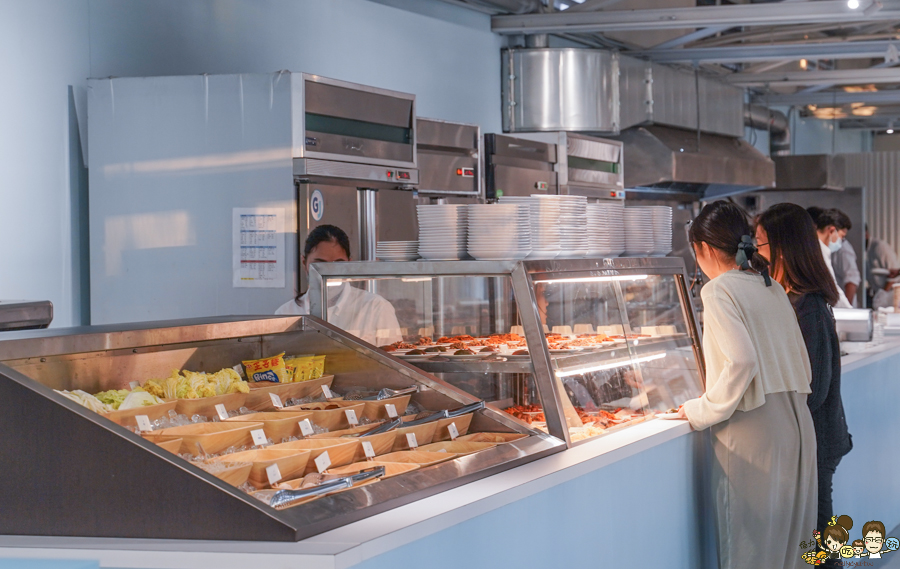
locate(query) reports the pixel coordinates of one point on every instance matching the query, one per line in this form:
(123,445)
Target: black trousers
(826,467)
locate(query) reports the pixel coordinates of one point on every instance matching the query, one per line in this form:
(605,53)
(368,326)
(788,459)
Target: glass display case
(276,462)
(577,347)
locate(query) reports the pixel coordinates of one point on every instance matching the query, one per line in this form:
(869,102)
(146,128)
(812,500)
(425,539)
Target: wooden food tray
(278,426)
(460,448)
(172,446)
(420,457)
(340,451)
(291,463)
(442,433)
(424,435)
(331,419)
(258,399)
(234,475)
(382,443)
(126,417)
(490,437)
(390,468)
(374,410)
(215,437)
(206,406)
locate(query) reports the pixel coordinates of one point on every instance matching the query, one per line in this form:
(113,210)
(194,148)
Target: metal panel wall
(879,174)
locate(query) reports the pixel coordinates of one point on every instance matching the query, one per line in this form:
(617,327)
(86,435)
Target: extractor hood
(811,172)
(672,163)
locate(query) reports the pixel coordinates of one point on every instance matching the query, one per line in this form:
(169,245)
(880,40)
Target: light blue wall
(43,49)
(446,55)
(814,136)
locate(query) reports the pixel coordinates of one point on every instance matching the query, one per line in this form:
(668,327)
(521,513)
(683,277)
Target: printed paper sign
(323,461)
(273,474)
(222,412)
(259,437)
(133,385)
(454,432)
(306,428)
(276,401)
(391,410)
(258,247)
(411,439)
(368,449)
(351,417)
(327,392)
(143,423)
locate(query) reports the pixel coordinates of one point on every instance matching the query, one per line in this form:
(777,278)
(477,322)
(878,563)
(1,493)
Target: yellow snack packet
(267,369)
(303,366)
(318,367)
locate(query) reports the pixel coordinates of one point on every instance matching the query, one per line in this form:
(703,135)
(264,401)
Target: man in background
(846,269)
(829,241)
(881,265)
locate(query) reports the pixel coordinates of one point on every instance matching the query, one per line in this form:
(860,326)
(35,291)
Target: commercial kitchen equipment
(173,159)
(450,159)
(583,337)
(854,324)
(73,472)
(519,167)
(25,314)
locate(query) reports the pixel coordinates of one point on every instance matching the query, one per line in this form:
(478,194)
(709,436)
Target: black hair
(723,226)
(795,251)
(325,233)
(844,221)
(825,217)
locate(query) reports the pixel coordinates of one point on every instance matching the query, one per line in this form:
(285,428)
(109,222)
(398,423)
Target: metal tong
(387,393)
(447,414)
(382,428)
(285,498)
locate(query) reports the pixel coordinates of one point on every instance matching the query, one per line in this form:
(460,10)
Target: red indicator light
(389,173)
(459,172)
(468,172)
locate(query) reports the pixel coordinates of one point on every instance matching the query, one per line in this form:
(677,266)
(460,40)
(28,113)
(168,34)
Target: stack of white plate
(397,250)
(499,231)
(662,230)
(545,234)
(442,231)
(639,236)
(574,238)
(606,229)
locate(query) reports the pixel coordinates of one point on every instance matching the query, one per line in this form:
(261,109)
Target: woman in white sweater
(757,380)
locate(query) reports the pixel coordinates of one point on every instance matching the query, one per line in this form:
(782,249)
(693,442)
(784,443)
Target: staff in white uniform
(361,313)
(846,269)
(829,242)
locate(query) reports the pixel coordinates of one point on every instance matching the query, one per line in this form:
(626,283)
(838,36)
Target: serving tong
(281,499)
(426,417)
(385,393)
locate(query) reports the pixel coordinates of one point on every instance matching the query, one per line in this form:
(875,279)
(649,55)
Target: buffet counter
(565,509)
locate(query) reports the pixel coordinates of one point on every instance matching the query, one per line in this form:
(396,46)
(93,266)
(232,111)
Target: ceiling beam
(783,13)
(830,98)
(769,52)
(804,78)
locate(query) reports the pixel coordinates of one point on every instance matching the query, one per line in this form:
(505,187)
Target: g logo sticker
(317,205)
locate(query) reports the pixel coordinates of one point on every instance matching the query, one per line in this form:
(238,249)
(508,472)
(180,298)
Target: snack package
(318,367)
(302,367)
(267,369)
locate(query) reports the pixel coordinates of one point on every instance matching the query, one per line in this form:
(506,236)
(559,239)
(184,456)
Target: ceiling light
(804,64)
(853,4)
(890,128)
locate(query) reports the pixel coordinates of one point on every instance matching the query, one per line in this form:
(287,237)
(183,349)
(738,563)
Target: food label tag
(306,428)
(327,391)
(273,474)
(133,385)
(367,448)
(411,439)
(454,432)
(323,461)
(351,417)
(240,370)
(259,437)
(276,401)
(222,412)
(143,423)
(391,410)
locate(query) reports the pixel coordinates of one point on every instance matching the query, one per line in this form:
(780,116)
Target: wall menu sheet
(258,247)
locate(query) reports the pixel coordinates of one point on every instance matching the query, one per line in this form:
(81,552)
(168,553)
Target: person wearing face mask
(843,261)
(827,221)
(360,313)
(757,381)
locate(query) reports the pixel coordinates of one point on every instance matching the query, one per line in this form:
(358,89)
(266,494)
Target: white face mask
(835,246)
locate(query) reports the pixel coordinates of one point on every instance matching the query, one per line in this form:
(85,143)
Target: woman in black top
(786,237)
